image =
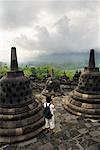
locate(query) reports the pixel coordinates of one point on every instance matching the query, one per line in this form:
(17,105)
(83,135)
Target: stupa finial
(14,63)
(92,59)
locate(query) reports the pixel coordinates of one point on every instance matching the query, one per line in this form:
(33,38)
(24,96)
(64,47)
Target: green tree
(3,70)
(70,74)
(27,71)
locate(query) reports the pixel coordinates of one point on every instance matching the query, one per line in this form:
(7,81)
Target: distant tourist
(49,114)
(49,80)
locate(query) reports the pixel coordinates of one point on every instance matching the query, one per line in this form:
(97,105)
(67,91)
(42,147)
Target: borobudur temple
(84,100)
(21,116)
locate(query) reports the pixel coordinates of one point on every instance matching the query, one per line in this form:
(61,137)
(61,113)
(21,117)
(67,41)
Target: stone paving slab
(71,133)
(94,147)
(95,133)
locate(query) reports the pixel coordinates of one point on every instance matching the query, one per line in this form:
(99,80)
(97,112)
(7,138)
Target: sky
(39,27)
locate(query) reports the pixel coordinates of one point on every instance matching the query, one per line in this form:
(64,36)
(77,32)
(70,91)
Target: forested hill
(69,60)
(62,60)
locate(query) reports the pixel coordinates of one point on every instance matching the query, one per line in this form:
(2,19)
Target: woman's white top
(51,107)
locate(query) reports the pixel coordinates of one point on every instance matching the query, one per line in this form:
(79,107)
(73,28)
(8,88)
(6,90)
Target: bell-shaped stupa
(85,99)
(21,116)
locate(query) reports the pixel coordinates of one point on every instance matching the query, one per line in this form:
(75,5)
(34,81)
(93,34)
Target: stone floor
(71,133)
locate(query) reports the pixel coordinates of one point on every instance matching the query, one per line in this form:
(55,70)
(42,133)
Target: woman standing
(49,114)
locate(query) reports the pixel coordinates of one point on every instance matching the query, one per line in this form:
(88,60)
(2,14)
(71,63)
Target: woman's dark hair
(48,99)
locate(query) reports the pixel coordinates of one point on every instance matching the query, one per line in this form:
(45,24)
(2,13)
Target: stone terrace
(71,133)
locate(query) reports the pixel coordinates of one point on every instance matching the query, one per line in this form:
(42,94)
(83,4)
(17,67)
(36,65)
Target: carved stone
(76,76)
(21,117)
(85,99)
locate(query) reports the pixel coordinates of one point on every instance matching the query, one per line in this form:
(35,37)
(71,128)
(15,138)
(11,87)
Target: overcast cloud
(39,27)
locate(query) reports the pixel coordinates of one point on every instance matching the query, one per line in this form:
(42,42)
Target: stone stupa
(76,76)
(85,99)
(21,116)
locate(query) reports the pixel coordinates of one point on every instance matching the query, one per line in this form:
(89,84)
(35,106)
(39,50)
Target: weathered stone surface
(21,116)
(47,146)
(85,99)
(22,144)
(52,87)
(88,125)
(93,147)
(76,76)
(95,133)
(67,138)
(83,131)
(62,147)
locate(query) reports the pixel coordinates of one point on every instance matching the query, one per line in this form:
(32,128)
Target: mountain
(65,60)
(1,63)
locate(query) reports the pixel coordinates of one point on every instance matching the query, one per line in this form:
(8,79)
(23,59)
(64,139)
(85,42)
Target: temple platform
(71,133)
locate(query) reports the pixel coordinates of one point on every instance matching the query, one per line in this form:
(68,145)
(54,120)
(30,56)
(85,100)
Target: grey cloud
(82,33)
(66,38)
(16,14)
(42,43)
(20,13)
(64,6)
